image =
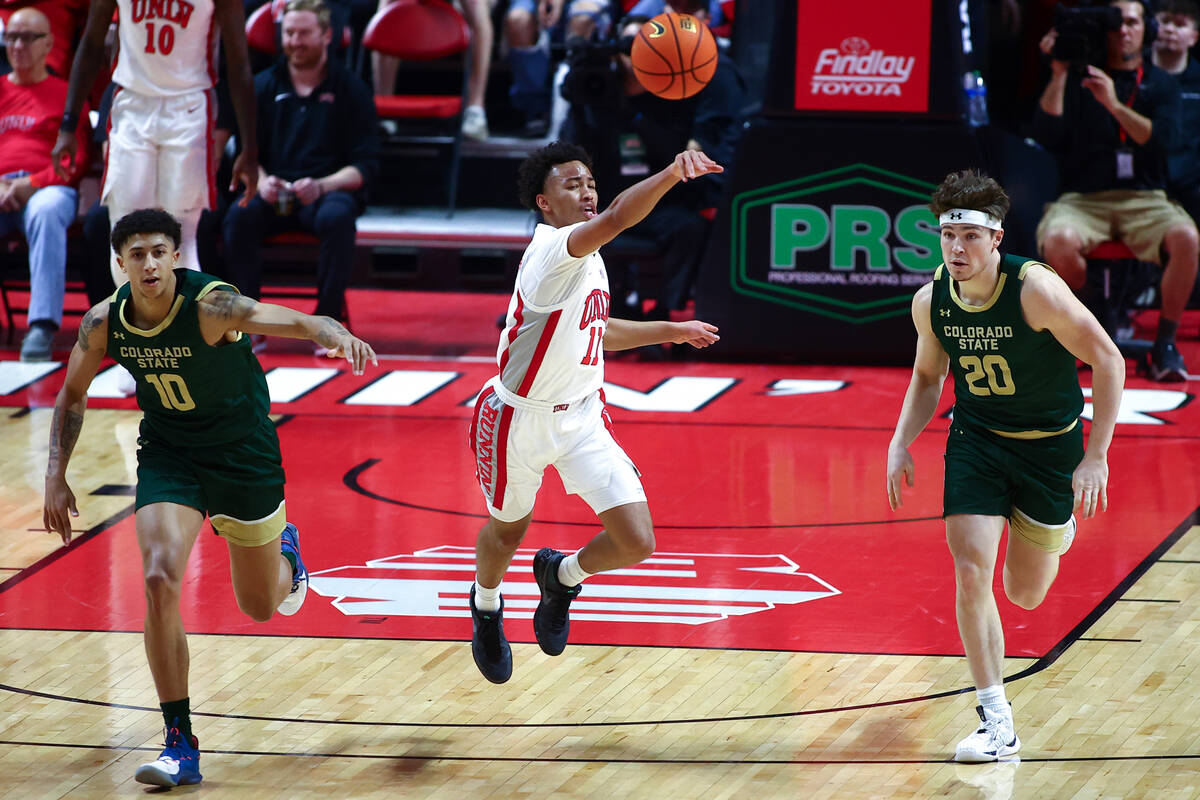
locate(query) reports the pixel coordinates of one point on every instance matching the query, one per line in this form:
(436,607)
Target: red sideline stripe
(210,135)
(519,320)
(540,353)
(483,396)
(108,137)
(211,50)
(608,423)
(500,448)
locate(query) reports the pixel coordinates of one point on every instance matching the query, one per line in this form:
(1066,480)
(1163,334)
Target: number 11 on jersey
(595,341)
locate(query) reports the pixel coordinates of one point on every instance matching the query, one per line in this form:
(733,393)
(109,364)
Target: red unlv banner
(862,56)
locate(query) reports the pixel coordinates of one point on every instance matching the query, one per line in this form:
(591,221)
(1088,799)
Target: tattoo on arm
(330,332)
(64,432)
(226,305)
(89,323)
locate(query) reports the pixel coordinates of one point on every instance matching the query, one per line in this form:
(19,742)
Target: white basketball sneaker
(994,740)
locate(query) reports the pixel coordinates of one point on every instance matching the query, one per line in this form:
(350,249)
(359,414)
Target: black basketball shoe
(492,654)
(550,622)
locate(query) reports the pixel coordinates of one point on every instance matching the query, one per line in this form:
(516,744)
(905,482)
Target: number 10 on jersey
(165,39)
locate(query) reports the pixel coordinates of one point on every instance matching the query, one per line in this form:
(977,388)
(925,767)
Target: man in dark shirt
(1178,30)
(1112,129)
(318,151)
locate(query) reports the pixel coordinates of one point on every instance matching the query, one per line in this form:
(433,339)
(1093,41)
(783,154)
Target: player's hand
(899,471)
(692,164)
(270,188)
(354,350)
(1090,483)
(1100,84)
(307,190)
(245,173)
(64,146)
(8,197)
(696,333)
(58,508)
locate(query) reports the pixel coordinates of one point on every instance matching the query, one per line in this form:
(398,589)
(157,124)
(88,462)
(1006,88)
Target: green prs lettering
(862,228)
(916,227)
(794,228)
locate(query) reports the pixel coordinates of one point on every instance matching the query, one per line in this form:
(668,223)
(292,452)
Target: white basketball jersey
(168,47)
(551,351)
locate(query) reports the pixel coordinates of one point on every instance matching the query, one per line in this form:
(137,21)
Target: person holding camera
(318,147)
(1112,126)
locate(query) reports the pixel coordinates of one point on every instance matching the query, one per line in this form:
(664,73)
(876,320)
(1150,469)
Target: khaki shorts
(1139,218)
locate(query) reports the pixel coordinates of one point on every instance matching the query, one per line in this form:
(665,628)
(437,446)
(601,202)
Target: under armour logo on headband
(969,216)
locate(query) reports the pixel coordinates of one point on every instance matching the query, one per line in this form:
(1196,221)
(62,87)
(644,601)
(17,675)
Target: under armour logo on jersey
(955,215)
(945,312)
(118,335)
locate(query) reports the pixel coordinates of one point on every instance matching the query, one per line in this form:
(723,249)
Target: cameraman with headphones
(1111,126)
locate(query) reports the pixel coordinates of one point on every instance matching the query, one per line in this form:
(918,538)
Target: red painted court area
(766,484)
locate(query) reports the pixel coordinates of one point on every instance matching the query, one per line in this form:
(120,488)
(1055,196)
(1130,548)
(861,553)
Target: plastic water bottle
(977,110)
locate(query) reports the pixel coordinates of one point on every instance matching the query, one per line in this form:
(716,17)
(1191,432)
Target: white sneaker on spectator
(126,385)
(474,123)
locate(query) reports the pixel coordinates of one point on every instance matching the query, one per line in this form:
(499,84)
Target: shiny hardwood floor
(1111,713)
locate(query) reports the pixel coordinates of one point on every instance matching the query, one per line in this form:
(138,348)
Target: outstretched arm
(632,205)
(920,401)
(1048,304)
(59,504)
(224,311)
(624,334)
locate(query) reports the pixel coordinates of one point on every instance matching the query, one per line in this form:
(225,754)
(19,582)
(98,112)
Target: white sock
(487,599)
(570,573)
(993,701)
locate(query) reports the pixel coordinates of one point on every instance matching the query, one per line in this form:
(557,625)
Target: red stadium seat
(424,30)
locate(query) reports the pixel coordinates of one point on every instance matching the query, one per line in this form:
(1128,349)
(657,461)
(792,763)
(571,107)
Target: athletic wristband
(69,122)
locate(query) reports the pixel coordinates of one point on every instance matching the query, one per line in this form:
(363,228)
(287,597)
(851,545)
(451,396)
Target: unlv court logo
(668,588)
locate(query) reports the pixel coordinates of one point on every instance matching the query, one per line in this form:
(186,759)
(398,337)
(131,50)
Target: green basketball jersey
(1008,377)
(192,393)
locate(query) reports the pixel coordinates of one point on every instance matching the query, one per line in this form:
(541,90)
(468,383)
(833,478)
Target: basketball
(674,56)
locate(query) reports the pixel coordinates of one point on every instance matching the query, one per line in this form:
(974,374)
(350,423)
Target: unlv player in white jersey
(160,139)
(545,406)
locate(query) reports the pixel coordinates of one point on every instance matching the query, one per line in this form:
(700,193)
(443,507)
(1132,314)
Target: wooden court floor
(857,690)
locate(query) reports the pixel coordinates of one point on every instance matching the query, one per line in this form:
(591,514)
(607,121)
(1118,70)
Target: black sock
(1166,330)
(44,323)
(178,714)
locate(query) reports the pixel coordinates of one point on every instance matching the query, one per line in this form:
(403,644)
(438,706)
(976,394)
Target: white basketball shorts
(160,152)
(513,447)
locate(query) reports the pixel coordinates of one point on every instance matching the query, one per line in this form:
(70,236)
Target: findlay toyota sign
(851,244)
(862,56)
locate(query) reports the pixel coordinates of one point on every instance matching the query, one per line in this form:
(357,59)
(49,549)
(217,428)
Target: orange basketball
(674,55)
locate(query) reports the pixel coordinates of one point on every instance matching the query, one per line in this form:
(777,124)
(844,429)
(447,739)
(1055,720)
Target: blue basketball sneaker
(179,764)
(289,542)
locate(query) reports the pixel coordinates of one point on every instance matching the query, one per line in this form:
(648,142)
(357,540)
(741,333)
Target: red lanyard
(1129,102)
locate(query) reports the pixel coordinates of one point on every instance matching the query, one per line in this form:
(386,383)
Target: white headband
(969,216)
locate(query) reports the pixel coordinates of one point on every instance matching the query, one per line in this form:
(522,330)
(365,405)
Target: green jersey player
(206,446)
(1009,330)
